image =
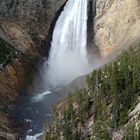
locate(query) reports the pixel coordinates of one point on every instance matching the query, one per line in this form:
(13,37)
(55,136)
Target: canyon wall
(35,16)
(13,78)
(116,24)
(25,23)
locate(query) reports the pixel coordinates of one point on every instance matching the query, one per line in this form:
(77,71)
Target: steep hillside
(116,24)
(107,109)
(16,69)
(35,16)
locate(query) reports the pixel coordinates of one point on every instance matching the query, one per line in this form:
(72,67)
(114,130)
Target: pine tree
(114,91)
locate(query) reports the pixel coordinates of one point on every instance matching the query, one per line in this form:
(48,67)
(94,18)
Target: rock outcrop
(33,15)
(116,24)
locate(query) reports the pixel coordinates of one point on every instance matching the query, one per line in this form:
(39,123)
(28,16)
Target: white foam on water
(39,97)
(35,137)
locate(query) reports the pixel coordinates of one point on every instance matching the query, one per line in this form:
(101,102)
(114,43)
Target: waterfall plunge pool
(33,111)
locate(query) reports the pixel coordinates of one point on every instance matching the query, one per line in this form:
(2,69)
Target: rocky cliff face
(34,15)
(116,24)
(16,74)
(13,78)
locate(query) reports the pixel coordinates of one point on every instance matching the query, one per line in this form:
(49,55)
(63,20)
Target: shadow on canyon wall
(93,49)
(46,44)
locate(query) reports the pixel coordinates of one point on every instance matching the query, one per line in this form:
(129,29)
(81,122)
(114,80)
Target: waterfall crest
(68,55)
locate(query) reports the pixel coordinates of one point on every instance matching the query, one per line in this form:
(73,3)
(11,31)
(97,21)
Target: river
(34,109)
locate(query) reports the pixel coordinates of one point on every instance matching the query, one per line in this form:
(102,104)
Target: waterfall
(68,57)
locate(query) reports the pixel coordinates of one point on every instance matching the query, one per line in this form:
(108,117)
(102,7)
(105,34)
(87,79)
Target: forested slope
(103,110)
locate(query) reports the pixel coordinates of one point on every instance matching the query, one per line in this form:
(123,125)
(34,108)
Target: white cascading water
(68,57)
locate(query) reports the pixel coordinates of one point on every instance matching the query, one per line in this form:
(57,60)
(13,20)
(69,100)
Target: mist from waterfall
(68,56)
